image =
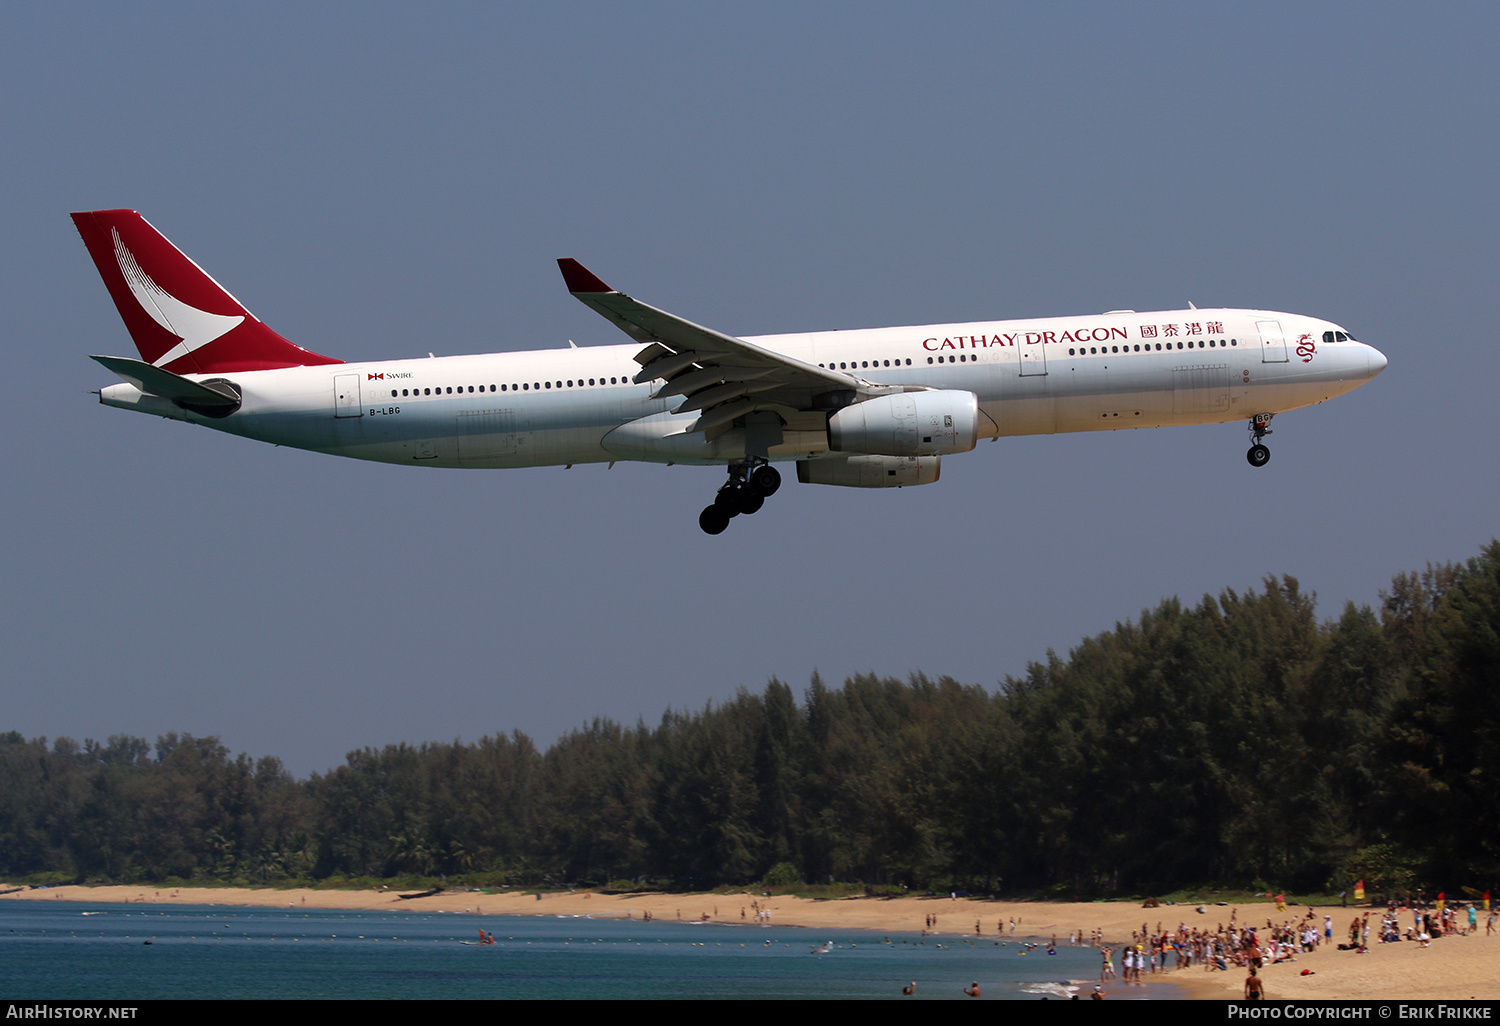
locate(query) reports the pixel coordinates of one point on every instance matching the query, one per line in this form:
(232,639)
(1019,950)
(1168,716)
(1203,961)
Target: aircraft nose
(1375,360)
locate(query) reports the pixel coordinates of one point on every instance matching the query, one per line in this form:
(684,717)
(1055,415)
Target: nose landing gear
(746,491)
(1260,426)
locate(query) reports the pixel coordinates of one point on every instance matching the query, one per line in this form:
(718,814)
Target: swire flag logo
(377,377)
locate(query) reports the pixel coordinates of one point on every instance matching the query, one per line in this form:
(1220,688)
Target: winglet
(580,278)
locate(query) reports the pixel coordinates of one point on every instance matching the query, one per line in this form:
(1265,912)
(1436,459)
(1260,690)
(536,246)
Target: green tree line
(1240,740)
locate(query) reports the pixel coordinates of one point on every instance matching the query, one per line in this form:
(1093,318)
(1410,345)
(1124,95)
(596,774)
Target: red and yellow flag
(1359,891)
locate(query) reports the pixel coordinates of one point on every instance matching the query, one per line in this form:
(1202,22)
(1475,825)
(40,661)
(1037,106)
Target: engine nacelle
(908,424)
(870,471)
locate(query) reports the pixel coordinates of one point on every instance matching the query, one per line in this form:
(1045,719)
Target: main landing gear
(747,489)
(1260,427)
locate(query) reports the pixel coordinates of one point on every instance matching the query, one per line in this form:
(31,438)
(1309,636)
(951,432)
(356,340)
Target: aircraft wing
(720,376)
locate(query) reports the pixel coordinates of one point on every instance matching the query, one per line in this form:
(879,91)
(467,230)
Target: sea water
(64,949)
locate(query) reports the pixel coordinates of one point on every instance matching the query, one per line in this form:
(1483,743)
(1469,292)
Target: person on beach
(1255,989)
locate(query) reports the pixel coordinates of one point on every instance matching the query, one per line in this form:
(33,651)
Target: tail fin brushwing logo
(196,328)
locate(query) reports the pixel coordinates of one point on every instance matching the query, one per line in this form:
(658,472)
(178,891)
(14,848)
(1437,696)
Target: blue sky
(380,181)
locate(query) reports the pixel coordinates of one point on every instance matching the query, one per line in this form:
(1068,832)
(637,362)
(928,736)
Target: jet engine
(908,424)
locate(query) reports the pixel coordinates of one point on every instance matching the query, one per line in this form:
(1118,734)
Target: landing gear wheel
(1258,455)
(745,492)
(713,520)
(765,479)
(731,499)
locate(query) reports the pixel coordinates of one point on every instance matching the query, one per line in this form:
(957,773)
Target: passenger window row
(1210,344)
(522,387)
(857,364)
(1078,351)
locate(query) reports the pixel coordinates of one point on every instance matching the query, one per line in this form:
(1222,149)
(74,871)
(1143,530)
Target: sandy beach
(1453,968)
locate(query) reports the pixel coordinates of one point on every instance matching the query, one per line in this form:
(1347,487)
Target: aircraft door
(1033,358)
(1272,342)
(346,396)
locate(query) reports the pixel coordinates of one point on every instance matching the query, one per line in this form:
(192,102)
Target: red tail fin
(180,318)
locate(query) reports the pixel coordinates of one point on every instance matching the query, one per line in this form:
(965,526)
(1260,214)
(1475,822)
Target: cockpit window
(1338,336)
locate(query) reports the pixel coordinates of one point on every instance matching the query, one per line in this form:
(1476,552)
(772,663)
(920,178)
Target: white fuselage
(564,406)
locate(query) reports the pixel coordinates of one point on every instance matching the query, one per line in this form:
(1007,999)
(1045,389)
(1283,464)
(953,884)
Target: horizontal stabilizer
(163,383)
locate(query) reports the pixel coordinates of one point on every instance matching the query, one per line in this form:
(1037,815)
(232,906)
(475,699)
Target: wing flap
(660,362)
(694,381)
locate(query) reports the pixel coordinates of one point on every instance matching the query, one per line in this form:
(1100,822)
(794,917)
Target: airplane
(867,408)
